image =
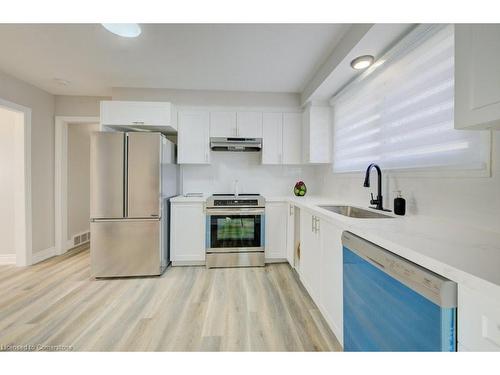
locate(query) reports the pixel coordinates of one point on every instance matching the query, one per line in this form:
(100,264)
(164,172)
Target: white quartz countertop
(467,255)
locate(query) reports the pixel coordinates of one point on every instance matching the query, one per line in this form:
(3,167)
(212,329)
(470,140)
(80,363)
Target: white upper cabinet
(232,124)
(316,135)
(282,138)
(249,124)
(223,124)
(276,230)
(193,141)
(272,138)
(292,138)
(148,115)
(477,76)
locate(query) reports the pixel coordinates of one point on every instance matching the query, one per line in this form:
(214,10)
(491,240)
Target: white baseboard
(276,260)
(69,245)
(7,259)
(182,263)
(43,254)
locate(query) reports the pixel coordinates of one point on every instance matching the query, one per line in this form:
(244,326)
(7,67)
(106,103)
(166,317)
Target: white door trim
(61,176)
(24,242)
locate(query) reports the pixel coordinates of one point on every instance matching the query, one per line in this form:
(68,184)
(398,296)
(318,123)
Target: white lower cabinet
(321,267)
(276,230)
(290,235)
(331,297)
(187,233)
(478,321)
(310,253)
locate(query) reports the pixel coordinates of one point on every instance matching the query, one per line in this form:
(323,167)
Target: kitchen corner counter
(467,255)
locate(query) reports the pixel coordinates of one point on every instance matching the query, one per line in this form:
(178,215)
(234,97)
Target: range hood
(235,144)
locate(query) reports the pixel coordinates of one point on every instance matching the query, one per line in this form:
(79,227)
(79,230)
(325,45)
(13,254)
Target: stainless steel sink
(355,212)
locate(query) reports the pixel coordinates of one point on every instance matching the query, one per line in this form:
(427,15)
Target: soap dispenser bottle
(399,204)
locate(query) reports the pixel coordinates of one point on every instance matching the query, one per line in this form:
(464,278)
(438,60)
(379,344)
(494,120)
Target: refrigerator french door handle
(125,177)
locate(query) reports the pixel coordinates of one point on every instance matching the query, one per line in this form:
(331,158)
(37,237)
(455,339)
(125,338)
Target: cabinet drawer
(478,321)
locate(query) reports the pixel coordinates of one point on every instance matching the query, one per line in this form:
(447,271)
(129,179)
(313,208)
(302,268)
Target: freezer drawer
(126,248)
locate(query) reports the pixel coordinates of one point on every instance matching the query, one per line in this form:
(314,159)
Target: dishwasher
(393,304)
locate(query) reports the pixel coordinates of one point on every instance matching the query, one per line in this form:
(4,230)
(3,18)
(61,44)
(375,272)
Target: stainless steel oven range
(235,230)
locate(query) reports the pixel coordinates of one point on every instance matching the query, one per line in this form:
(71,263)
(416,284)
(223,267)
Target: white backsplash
(469,200)
(253,177)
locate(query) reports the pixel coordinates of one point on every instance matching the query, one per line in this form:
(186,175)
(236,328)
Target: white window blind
(401,114)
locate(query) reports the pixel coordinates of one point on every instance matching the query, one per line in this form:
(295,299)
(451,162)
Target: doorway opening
(15,184)
(72,157)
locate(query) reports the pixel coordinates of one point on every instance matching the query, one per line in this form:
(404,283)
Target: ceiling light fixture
(362,62)
(61,81)
(126,30)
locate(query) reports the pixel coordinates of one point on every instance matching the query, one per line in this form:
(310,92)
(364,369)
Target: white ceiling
(240,57)
(376,42)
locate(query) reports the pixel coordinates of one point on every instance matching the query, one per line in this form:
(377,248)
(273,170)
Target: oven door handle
(240,211)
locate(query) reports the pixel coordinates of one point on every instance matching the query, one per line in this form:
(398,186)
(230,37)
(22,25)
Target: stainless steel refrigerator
(132,177)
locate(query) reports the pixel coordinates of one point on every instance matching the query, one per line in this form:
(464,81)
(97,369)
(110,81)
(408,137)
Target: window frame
(416,36)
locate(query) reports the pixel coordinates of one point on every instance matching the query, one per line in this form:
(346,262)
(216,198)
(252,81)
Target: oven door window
(235,231)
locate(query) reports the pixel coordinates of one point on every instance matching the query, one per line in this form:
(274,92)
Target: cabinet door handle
(138,122)
(317,225)
(291,210)
(312,223)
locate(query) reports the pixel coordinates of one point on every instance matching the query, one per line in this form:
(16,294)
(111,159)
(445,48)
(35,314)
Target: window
(400,114)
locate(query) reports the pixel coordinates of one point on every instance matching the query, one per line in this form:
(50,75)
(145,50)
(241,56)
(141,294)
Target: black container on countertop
(399,204)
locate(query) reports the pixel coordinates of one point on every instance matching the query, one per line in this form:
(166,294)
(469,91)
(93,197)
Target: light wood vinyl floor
(55,305)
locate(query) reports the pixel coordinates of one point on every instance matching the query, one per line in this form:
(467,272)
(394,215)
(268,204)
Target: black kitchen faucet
(379,201)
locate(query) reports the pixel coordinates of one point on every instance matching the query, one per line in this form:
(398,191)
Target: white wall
(208,97)
(471,200)
(44,107)
(253,177)
(79,177)
(7,181)
(66,105)
(225,167)
(42,154)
